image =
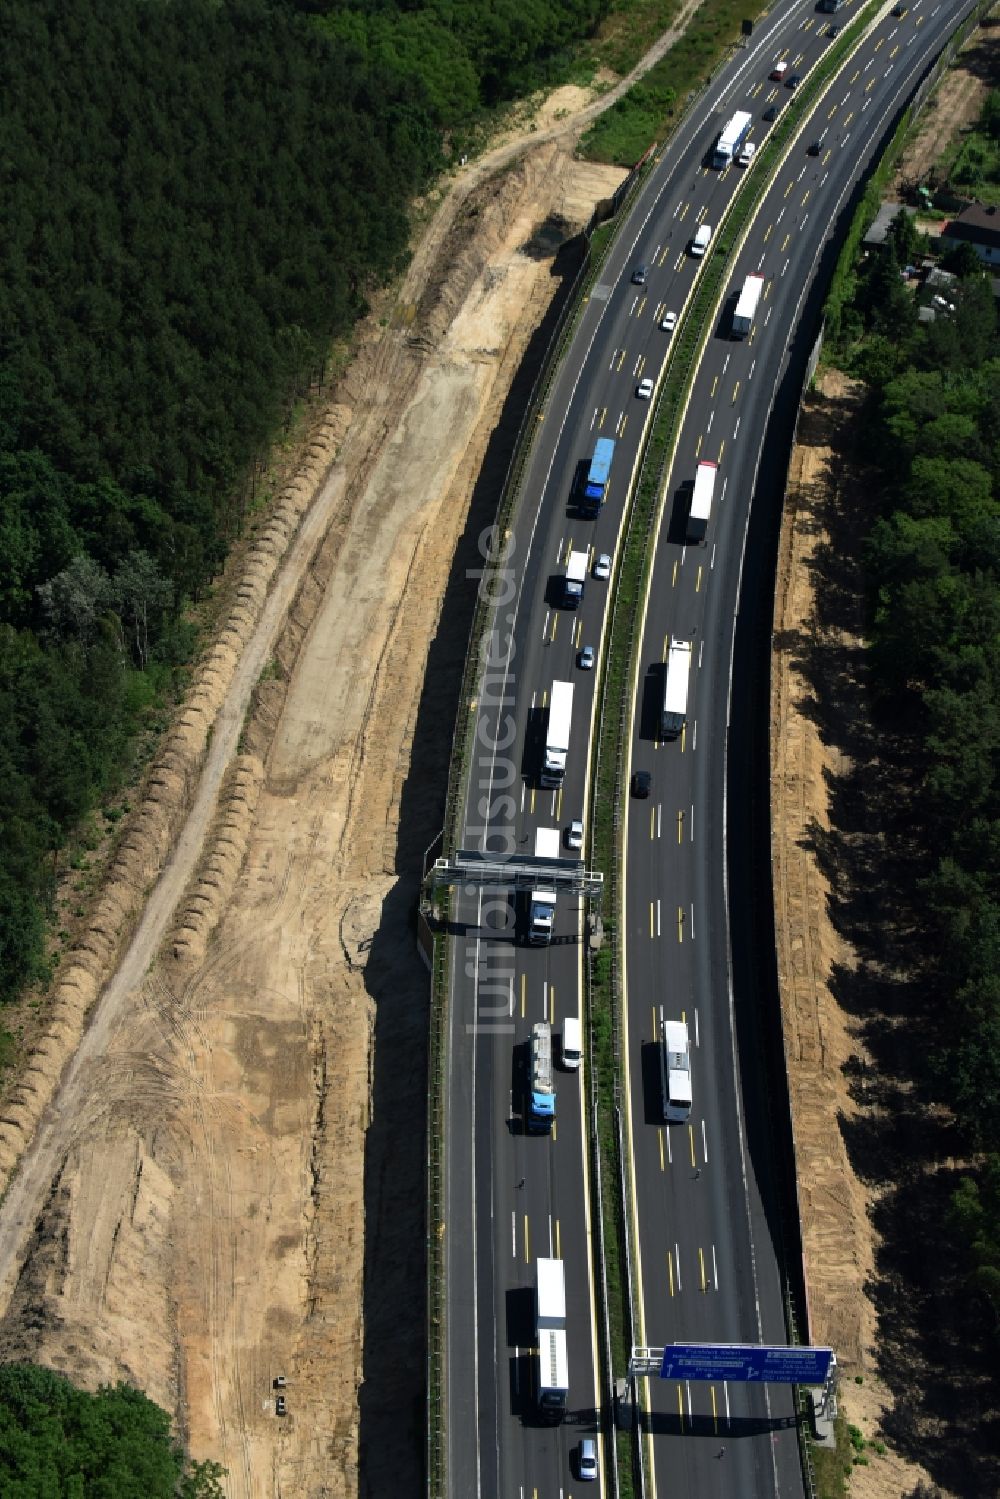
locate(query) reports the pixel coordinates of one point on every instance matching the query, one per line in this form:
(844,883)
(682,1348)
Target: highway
(705,1206)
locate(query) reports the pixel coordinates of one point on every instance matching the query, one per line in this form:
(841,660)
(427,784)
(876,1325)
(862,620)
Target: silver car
(586,1465)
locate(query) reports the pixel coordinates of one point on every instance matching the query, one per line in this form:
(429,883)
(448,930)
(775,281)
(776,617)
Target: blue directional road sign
(740,1363)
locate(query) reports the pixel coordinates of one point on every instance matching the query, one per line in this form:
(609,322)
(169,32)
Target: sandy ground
(957,101)
(215,1183)
(199,1156)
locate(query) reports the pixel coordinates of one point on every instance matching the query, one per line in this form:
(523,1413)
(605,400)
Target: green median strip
(604,979)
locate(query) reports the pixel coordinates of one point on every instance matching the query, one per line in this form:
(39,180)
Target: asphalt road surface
(706,1208)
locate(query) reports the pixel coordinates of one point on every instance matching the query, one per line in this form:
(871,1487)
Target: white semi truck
(746,306)
(730,142)
(557,734)
(675,1070)
(550,1329)
(701,500)
(542,900)
(675,689)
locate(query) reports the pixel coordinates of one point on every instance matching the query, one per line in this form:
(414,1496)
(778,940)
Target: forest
(199,200)
(58,1442)
(931,435)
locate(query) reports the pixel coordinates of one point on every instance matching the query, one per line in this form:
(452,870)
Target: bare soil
(958,100)
(212,1178)
(212,1175)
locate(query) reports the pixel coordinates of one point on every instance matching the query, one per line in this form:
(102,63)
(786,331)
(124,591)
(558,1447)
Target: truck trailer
(557,734)
(541,1080)
(550,1330)
(675,689)
(675,1070)
(594,486)
(730,142)
(701,500)
(749,300)
(542,900)
(576,576)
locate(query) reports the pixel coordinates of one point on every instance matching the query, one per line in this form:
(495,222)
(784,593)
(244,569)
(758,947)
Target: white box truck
(550,1328)
(730,142)
(675,1070)
(675,689)
(701,500)
(576,576)
(746,306)
(572,1043)
(557,734)
(542,900)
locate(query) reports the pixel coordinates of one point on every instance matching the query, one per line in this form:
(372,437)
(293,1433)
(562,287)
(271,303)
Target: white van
(702,240)
(572,1043)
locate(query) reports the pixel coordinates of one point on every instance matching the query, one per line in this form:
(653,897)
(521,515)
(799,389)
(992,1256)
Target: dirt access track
(212,1177)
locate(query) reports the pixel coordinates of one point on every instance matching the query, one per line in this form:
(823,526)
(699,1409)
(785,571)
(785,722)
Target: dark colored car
(794,81)
(642,783)
(639,276)
(771,113)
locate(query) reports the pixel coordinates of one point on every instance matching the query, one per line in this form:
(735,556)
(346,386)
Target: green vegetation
(58,1442)
(174,272)
(832,1465)
(646,112)
(932,562)
(975,167)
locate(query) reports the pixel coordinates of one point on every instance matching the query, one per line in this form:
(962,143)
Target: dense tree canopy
(933,559)
(58,1442)
(197,200)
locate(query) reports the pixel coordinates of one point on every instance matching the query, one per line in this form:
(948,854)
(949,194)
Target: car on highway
(586,1463)
(793,81)
(817,145)
(585,660)
(642,782)
(644,389)
(899,10)
(602,567)
(747,155)
(771,113)
(574,834)
(832,31)
(669,322)
(778,72)
(639,276)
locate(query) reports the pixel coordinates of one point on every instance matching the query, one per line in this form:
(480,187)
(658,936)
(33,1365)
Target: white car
(574,834)
(747,155)
(602,567)
(669,322)
(644,389)
(585,659)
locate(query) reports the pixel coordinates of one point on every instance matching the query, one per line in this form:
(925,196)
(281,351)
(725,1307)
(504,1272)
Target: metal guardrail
(643,517)
(670,404)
